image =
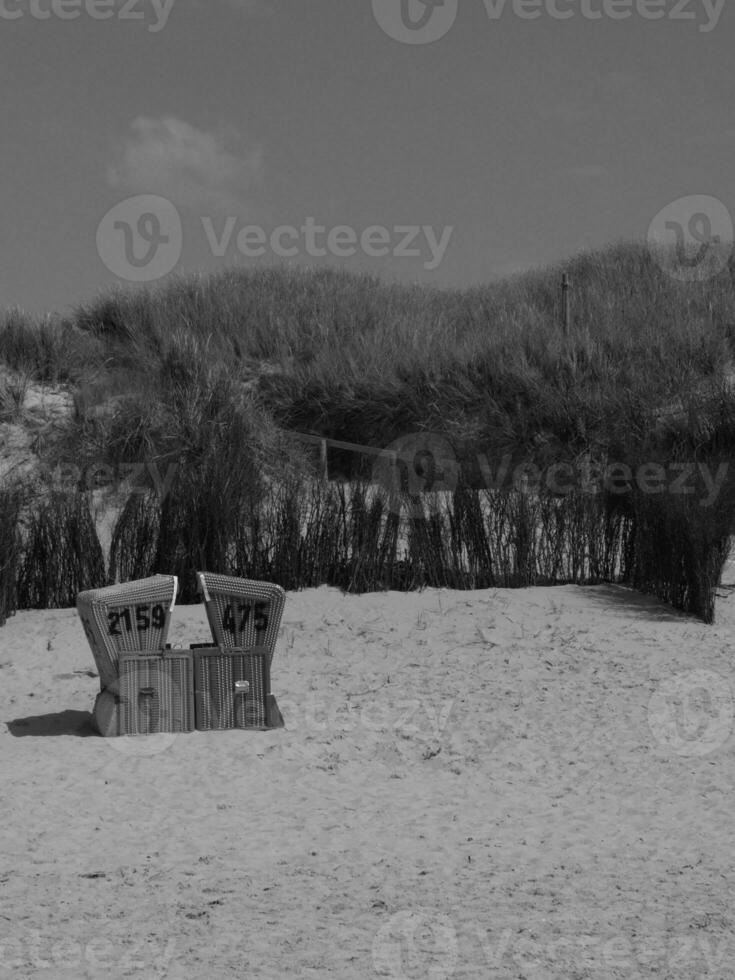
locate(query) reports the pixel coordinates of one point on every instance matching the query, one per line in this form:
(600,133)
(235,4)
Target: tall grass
(682,539)
(61,554)
(12,397)
(229,457)
(11,500)
(354,537)
(208,368)
(47,348)
(366,361)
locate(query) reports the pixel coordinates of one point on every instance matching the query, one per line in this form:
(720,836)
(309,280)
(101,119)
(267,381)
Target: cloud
(191,167)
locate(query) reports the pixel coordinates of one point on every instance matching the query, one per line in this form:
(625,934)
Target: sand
(509,784)
(515,783)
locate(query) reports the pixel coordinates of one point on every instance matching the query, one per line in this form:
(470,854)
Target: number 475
(237,624)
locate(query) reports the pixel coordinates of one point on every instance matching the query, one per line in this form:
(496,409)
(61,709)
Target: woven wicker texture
(106,713)
(126,617)
(242,612)
(219,703)
(156,692)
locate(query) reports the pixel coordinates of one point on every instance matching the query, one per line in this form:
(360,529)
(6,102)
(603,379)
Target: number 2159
(145,618)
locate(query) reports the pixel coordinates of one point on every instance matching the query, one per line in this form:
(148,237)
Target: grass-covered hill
(209,373)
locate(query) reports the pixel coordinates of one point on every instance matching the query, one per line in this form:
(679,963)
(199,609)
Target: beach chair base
(154,694)
(204,688)
(273,716)
(232,689)
(106,713)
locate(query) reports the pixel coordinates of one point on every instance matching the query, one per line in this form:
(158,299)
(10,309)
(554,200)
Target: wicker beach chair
(156,692)
(242,612)
(141,689)
(232,689)
(132,616)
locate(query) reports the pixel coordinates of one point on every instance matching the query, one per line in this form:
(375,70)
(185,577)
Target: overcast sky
(447,145)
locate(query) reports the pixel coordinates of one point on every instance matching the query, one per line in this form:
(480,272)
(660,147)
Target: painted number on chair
(145,618)
(236,623)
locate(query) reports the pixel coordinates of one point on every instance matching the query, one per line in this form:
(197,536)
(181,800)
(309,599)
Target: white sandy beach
(518,783)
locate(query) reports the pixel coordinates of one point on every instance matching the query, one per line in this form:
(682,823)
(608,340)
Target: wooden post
(323,463)
(566,312)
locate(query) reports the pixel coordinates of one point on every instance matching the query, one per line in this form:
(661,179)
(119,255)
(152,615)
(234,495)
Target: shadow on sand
(68,722)
(635,604)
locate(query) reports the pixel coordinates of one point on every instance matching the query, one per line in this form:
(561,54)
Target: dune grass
(370,360)
(47,349)
(61,553)
(10,549)
(203,373)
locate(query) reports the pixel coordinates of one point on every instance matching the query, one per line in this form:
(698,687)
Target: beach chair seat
(125,618)
(155,693)
(232,688)
(242,613)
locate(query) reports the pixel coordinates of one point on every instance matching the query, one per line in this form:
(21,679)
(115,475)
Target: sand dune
(509,784)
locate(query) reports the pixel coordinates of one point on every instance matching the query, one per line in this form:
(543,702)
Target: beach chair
(242,613)
(156,692)
(126,626)
(232,689)
(132,616)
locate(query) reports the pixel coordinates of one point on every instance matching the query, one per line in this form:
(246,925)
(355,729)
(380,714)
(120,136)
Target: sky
(448,143)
